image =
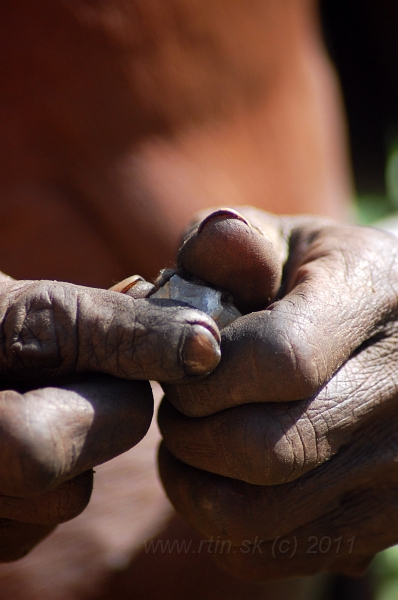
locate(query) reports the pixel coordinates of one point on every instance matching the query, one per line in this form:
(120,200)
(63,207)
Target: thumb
(235,254)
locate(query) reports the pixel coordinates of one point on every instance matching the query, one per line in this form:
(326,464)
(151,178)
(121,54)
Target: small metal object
(204,298)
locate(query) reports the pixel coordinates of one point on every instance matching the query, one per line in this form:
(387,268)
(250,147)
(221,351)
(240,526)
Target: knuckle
(307,366)
(36,326)
(291,444)
(297,367)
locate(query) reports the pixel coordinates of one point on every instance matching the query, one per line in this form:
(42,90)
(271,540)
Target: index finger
(50,329)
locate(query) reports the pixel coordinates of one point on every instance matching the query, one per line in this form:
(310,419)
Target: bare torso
(120,121)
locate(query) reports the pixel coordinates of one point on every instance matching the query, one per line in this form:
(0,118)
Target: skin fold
(294,435)
(58,422)
(119,120)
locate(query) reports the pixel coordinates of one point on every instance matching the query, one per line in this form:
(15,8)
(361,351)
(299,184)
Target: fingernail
(201,352)
(126,284)
(227,213)
(141,289)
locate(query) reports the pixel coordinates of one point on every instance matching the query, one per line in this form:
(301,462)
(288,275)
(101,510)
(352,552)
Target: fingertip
(134,286)
(200,352)
(127,283)
(226,213)
(226,251)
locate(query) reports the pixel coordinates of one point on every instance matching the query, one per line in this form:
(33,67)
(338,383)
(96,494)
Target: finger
(341,288)
(134,286)
(323,545)
(344,540)
(52,329)
(17,539)
(56,506)
(273,443)
(5,278)
(227,251)
(52,434)
(358,485)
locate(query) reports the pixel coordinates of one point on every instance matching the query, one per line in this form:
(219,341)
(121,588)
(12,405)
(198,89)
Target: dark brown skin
(119,119)
(211,253)
(52,334)
(295,435)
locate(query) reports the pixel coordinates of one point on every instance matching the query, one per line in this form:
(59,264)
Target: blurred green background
(372,207)
(362,39)
(385,569)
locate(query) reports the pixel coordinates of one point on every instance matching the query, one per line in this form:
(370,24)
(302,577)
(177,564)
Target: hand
(70,358)
(291,459)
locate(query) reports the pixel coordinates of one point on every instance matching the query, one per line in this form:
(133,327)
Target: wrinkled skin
(118,120)
(68,359)
(289,449)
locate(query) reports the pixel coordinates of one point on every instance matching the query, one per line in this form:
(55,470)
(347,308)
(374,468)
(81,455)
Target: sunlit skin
(119,121)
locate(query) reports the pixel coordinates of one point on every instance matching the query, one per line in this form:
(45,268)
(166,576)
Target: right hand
(292,442)
(73,361)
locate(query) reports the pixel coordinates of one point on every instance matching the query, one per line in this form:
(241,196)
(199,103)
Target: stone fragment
(208,300)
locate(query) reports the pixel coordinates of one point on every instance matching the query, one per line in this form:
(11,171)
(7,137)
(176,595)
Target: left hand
(288,452)
(73,395)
